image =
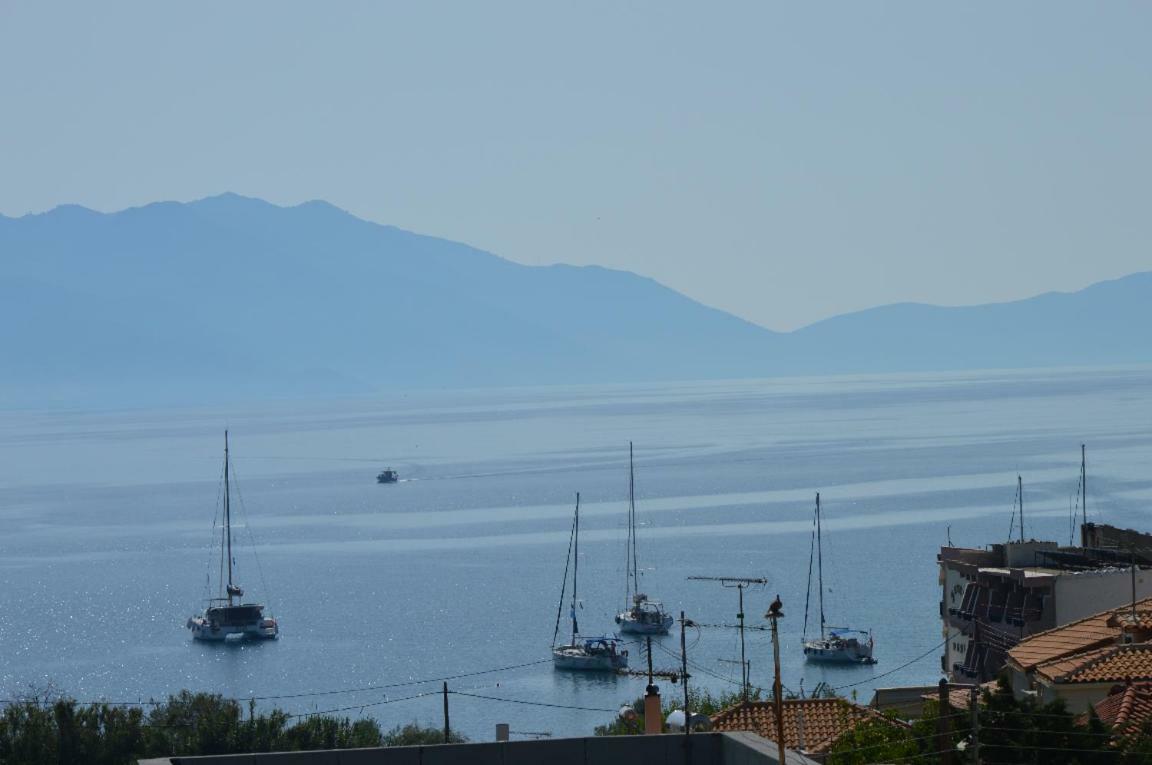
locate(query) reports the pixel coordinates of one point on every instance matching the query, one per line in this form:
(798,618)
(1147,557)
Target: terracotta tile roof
(959,695)
(1127,707)
(1118,663)
(1123,618)
(1094,631)
(810,725)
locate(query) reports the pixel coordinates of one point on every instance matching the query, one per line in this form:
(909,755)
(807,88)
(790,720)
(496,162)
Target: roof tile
(810,725)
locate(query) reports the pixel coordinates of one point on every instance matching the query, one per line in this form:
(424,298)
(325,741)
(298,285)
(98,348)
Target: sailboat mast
(1020,496)
(632,519)
(1083,485)
(820,566)
(575,564)
(227,518)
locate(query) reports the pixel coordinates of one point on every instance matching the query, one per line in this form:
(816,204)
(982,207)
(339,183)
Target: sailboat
(836,645)
(228,614)
(586,654)
(643,616)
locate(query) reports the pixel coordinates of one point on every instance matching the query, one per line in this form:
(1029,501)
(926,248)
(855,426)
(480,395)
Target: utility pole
(773,615)
(684,673)
(739,582)
(974,706)
(653,714)
(944,725)
(447,730)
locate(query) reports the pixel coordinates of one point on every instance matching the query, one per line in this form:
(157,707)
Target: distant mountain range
(234,298)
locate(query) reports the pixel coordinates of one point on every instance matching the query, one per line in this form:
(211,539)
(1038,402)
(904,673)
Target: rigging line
(252,539)
(808,594)
(532,703)
(931,650)
(1012,520)
(212,544)
(564,586)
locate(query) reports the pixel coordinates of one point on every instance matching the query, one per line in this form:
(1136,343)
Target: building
(1127,708)
(811,726)
(1081,662)
(661,749)
(994,598)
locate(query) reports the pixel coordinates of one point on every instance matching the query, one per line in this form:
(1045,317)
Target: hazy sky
(783,161)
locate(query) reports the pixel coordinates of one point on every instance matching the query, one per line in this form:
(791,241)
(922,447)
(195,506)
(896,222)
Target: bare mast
(575,564)
(820,566)
(228,521)
(633,569)
(1083,484)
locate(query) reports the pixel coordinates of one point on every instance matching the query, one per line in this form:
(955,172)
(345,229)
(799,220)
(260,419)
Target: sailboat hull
(644,624)
(577,658)
(838,651)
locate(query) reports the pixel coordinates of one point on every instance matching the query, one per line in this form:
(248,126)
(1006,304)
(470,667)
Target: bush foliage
(44,731)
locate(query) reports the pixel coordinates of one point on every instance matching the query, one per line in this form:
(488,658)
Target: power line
(531,703)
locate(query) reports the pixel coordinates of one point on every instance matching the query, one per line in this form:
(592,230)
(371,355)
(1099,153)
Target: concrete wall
(697,749)
(957,646)
(1090,592)
(1078,697)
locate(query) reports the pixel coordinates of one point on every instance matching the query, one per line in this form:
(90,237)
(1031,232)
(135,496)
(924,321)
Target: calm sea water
(106,525)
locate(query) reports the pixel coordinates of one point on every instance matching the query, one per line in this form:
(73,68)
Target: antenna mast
(739,582)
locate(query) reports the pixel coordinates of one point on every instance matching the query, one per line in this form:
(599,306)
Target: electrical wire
(531,703)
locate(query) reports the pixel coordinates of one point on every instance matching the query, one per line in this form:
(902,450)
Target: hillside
(236,298)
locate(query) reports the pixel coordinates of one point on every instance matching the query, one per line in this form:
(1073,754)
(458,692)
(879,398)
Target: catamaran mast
(820,565)
(227,519)
(575,564)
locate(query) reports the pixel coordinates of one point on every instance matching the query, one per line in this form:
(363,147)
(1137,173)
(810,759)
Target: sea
(110,534)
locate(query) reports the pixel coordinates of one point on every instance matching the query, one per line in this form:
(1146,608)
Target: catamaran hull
(631,625)
(207,632)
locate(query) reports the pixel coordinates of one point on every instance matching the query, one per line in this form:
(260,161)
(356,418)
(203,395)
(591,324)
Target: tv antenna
(739,582)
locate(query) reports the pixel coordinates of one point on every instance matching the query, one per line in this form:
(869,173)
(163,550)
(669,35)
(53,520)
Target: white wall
(1081,595)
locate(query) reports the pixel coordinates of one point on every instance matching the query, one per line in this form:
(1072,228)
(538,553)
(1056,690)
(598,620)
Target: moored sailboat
(227,614)
(836,645)
(642,616)
(586,654)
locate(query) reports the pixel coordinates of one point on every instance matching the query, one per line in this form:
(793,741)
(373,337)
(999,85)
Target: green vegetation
(42,731)
(1011,732)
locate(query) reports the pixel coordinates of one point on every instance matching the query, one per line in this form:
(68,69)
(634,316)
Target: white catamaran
(586,654)
(227,614)
(642,616)
(836,645)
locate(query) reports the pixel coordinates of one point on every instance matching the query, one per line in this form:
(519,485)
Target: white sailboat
(642,616)
(585,654)
(227,614)
(836,645)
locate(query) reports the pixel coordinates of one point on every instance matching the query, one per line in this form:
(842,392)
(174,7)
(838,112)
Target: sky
(785,162)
